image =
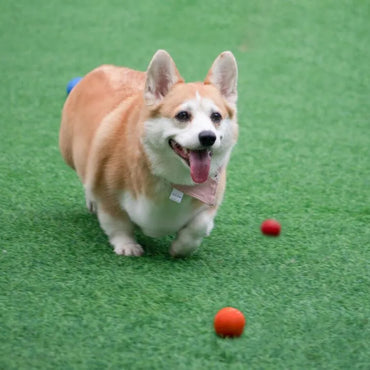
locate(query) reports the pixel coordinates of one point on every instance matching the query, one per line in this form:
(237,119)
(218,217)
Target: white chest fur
(158,217)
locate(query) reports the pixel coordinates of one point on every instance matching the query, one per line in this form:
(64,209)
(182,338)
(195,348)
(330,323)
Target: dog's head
(192,126)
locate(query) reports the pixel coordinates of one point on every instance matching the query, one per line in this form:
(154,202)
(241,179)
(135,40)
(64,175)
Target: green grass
(67,302)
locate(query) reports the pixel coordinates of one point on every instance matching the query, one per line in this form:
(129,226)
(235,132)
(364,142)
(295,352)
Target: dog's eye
(216,117)
(183,116)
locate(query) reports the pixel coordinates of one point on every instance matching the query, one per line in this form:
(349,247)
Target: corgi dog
(151,150)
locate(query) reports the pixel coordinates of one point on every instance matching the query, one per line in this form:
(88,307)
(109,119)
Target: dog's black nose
(207,138)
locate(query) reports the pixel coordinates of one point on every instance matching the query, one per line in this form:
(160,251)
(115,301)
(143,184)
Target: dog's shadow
(77,228)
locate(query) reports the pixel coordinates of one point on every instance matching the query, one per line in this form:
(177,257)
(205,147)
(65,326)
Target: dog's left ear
(224,75)
(161,75)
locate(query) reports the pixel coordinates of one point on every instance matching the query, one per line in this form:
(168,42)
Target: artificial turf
(68,302)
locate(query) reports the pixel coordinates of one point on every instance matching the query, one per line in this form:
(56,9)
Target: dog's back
(93,98)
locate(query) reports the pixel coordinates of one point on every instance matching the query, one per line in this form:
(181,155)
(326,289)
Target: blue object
(71,84)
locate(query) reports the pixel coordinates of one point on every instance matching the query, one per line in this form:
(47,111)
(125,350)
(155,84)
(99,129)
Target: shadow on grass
(74,229)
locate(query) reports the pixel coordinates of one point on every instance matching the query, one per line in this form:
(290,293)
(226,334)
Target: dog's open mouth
(199,161)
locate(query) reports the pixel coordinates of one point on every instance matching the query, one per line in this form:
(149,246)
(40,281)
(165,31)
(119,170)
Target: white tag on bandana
(176,195)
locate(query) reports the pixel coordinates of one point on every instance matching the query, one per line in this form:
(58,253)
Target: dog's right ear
(161,75)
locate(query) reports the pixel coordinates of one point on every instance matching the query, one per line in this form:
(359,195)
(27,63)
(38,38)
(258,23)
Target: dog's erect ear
(224,75)
(161,75)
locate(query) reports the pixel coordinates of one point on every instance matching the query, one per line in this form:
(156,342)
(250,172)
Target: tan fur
(102,128)
(112,97)
(99,93)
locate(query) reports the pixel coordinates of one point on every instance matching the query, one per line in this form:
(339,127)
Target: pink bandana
(205,192)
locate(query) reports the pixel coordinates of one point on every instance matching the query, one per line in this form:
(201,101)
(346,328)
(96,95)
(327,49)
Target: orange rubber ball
(229,322)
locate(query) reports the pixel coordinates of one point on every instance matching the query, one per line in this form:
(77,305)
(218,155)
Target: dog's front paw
(129,250)
(180,250)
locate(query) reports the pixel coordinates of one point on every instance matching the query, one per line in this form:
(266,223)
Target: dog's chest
(158,217)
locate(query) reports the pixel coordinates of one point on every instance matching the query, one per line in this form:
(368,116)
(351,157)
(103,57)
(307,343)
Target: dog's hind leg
(91,203)
(120,231)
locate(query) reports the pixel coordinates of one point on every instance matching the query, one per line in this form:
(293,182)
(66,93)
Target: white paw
(129,250)
(178,250)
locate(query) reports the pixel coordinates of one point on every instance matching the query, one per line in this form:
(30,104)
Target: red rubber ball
(229,322)
(271,227)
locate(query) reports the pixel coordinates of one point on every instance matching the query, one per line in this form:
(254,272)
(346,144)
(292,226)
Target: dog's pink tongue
(200,163)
